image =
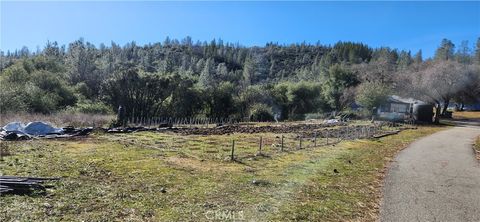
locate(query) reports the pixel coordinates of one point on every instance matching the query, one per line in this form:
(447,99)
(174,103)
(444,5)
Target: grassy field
(147,177)
(467,115)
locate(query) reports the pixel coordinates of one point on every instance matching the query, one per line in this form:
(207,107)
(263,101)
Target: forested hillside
(182,79)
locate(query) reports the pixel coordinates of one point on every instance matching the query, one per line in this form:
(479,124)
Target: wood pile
(23,185)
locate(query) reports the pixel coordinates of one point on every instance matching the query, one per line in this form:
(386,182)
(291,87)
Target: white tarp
(14,126)
(33,128)
(330,121)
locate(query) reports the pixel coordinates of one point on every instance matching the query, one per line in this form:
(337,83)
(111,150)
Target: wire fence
(242,146)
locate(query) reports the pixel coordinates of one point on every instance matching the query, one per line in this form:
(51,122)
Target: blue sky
(403,25)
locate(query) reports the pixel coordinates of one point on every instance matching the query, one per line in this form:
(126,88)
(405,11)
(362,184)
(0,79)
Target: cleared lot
(140,176)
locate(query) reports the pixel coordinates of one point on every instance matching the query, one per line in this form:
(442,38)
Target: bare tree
(437,81)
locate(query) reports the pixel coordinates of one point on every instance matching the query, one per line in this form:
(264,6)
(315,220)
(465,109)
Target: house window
(398,108)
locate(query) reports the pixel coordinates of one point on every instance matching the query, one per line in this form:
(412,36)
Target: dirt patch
(229,129)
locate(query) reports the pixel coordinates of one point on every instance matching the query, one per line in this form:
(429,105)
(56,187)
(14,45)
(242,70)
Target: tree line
(180,78)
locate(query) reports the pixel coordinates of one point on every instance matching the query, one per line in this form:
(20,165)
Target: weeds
(59,119)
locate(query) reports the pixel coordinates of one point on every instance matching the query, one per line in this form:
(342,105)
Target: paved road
(436,178)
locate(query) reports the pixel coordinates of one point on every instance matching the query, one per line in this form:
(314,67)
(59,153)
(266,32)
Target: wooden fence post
(233,150)
(260,146)
(281,149)
(300,142)
(327,137)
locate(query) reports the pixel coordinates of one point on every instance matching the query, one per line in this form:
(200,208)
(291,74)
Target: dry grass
(59,119)
(120,178)
(476,147)
(467,115)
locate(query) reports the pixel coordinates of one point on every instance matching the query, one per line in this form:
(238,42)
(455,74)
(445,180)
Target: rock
(163,190)
(249,170)
(260,182)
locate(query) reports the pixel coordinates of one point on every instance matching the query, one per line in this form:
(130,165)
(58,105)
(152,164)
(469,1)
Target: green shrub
(261,112)
(372,94)
(90,107)
(11,99)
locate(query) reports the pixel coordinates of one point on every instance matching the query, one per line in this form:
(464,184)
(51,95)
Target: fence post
(233,150)
(260,147)
(327,137)
(281,149)
(315,140)
(300,142)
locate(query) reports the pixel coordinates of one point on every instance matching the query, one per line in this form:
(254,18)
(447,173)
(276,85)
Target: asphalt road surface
(436,178)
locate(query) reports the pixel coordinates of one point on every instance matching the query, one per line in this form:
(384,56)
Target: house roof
(398,99)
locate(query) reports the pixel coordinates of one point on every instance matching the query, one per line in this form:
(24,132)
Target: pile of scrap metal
(23,185)
(19,131)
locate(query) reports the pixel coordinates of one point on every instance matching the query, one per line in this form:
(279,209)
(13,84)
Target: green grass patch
(121,177)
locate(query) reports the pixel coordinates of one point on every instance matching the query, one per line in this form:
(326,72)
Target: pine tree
(445,51)
(207,77)
(248,71)
(463,53)
(418,57)
(404,60)
(477,51)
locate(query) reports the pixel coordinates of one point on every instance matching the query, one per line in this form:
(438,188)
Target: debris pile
(19,131)
(128,129)
(23,185)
